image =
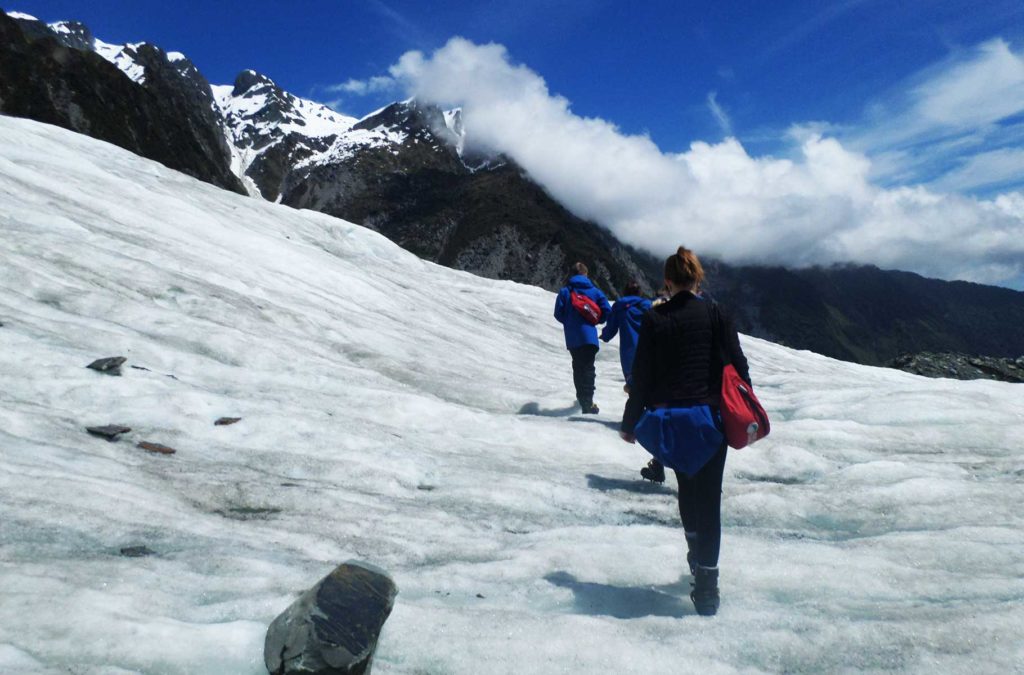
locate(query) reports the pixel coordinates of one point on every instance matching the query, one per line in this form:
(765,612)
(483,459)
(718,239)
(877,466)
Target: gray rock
(333,627)
(137,551)
(157,448)
(110,365)
(225,421)
(108,431)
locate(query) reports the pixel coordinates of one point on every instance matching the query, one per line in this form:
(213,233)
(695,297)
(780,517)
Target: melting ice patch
(419,418)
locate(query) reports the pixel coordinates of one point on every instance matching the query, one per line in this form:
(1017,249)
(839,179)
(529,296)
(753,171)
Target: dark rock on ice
(157,448)
(249,512)
(333,627)
(108,431)
(224,421)
(110,365)
(137,551)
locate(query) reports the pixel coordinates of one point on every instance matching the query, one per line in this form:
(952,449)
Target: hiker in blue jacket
(625,321)
(581,335)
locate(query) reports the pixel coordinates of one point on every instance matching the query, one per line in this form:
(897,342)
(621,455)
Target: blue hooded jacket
(577,331)
(625,320)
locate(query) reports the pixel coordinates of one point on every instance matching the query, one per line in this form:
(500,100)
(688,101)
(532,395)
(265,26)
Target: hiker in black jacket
(678,365)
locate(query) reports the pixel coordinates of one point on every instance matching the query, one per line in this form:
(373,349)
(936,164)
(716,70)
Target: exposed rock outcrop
(962,366)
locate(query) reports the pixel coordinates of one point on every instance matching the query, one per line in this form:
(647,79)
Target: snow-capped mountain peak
(257,111)
(74,34)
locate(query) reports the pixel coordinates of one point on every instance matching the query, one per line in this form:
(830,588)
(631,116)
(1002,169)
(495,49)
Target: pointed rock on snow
(333,627)
(110,365)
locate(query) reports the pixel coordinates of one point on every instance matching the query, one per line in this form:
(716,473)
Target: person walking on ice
(625,321)
(674,410)
(579,307)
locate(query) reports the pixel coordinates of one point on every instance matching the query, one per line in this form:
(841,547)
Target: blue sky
(932,92)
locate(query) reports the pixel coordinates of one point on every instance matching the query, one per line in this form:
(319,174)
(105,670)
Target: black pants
(583,373)
(700,508)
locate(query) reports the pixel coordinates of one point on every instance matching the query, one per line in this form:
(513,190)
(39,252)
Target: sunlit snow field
(419,418)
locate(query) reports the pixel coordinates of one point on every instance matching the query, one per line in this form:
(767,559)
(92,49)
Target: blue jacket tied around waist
(577,331)
(625,320)
(683,439)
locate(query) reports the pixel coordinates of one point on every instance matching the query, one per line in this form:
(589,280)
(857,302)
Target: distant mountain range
(403,170)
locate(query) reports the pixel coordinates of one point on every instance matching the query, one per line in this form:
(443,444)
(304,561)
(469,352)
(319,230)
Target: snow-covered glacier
(419,418)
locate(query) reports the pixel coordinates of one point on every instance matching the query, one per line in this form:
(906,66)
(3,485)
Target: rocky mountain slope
(962,366)
(402,172)
(136,96)
(868,315)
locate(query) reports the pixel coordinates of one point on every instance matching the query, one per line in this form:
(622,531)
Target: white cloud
(984,89)
(984,169)
(373,85)
(969,100)
(718,112)
(819,207)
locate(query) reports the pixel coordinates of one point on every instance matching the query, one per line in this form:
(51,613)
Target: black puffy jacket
(677,362)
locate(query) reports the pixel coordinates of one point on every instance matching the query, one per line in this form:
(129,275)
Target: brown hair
(578,268)
(632,288)
(684,268)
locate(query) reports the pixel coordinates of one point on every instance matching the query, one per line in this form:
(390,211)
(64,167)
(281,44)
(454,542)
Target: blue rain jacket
(625,320)
(577,331)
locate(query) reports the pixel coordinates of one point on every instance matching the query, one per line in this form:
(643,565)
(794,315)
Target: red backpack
(587,308)
(743,417)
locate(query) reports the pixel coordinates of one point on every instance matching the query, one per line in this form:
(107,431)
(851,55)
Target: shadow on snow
(605,484)
(533,408)
(624,602)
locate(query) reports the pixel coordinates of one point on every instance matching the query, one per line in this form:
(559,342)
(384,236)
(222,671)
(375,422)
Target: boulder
(110,365)
(333,627)
(224,421)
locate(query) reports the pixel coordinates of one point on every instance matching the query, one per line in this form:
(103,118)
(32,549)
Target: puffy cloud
(820,206)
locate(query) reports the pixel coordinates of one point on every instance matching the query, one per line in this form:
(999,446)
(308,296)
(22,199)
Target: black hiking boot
(590,408)
(653,472)
(705,591)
